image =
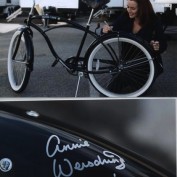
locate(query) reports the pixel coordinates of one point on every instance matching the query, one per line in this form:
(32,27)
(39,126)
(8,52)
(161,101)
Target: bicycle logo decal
(5,164)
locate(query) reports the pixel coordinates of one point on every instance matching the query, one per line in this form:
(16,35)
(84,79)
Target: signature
(58,169)
(64,167)
(58,148)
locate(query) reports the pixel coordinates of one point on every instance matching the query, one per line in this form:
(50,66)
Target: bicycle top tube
(66,21)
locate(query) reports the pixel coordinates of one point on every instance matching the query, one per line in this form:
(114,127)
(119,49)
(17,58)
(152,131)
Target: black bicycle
(117,64)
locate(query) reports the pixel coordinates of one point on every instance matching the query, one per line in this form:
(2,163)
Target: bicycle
(117,64)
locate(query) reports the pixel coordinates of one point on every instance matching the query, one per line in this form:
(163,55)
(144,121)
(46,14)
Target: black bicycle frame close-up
(34,145)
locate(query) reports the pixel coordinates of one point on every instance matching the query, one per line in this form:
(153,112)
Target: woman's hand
(155,45)
(107,28)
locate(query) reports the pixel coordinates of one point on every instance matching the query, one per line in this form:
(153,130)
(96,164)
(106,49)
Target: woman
(141,20)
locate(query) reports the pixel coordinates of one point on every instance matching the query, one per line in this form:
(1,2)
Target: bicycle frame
(69,23)
(111,64)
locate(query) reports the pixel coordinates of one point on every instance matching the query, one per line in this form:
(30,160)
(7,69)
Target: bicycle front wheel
(120,67)
(20,57)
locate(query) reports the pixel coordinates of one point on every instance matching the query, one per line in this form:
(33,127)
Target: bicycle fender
(28,33)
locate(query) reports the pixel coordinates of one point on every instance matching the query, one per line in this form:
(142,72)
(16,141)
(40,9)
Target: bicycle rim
(18,72)
(127,68)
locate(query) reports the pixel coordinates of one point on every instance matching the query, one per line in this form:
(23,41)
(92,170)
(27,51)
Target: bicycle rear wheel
(120,67)
(20,58)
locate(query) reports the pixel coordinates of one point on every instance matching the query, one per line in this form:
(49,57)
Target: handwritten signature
(62,148)
(60,165)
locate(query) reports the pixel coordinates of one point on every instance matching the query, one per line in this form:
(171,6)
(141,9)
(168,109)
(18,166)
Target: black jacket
(148,33)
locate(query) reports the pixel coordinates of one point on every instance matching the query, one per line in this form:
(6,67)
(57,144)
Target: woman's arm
(160,37)
(107,28)
(119,24)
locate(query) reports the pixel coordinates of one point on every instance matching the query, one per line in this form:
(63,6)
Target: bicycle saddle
(94,4)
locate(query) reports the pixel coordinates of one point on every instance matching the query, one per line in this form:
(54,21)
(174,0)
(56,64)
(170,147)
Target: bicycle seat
(94,4)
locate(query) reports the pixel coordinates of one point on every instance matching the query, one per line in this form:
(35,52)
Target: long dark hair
(146,12)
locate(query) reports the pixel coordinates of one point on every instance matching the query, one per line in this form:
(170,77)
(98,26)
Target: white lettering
(58,148)
(80,166)
(60,169)
(64,167)
(119,159)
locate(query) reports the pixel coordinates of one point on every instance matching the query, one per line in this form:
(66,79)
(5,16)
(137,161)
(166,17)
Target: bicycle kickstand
(80,74)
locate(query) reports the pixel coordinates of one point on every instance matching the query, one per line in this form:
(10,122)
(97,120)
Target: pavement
(6,28)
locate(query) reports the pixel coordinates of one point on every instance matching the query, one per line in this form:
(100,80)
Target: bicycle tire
(120,66)
(19,67)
